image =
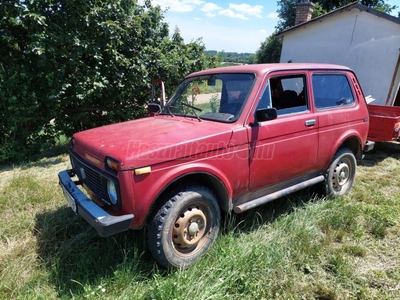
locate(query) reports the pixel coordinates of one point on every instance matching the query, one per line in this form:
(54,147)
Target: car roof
(262,69)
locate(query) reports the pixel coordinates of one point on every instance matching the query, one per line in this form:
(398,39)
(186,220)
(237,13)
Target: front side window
(216,97)
(331,91)
(285,93)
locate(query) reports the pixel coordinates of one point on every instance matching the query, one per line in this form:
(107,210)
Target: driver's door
(286,147)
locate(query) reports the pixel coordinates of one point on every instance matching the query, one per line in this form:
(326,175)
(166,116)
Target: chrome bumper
(98,218)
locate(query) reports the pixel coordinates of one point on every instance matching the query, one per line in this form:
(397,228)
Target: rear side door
(286,147)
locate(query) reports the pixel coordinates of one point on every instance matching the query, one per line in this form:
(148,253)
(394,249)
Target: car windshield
(217,97)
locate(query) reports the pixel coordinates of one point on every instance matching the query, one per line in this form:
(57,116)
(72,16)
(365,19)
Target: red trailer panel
(384,123)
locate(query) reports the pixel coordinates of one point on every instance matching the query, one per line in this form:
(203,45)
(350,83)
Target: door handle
(310,123)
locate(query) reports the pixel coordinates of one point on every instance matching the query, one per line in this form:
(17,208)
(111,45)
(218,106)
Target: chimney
(304,11)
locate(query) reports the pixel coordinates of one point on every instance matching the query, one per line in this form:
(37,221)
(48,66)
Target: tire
(184,227)
(339,177)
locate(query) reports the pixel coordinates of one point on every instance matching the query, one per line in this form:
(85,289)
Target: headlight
(112,191)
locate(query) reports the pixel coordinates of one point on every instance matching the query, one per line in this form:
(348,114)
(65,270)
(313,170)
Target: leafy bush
(70,65)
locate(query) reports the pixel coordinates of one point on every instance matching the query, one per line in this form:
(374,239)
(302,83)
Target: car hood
(152,140)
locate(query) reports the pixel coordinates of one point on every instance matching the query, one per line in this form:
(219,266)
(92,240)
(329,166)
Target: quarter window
(331,90)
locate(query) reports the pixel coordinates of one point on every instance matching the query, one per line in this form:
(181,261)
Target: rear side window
(331,91)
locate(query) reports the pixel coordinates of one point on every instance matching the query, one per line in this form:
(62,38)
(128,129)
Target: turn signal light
(112,164)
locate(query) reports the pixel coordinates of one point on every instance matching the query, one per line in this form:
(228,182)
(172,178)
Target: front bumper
(98,218)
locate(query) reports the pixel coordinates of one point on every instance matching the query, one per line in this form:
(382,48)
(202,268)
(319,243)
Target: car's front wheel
(184,227)
(340,175)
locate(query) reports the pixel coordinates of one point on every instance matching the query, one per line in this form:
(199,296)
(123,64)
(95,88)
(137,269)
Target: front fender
(149,187)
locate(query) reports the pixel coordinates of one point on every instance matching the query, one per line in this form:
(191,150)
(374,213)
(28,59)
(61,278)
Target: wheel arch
(189,179)
(354,144)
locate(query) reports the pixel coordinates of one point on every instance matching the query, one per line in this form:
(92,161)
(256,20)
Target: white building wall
(364,42)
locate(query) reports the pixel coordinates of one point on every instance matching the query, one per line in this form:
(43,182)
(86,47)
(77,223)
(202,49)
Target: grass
(299,247)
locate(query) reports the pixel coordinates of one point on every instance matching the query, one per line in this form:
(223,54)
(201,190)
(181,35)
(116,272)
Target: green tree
(81,64)
(270,50)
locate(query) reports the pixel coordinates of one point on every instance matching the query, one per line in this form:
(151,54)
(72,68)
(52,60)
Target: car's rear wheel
(184,227)
(339,177)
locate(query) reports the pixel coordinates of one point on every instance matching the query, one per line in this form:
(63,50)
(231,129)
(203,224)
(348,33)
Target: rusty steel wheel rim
(189,229)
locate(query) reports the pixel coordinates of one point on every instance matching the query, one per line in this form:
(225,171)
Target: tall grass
(298,247)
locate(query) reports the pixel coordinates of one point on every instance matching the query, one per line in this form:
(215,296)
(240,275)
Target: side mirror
(266,114)
(211,81)
(153,109)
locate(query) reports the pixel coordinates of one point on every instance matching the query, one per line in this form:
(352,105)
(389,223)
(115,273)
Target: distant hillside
(232,57)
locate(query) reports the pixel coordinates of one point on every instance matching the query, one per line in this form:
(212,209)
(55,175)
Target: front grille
(89,176)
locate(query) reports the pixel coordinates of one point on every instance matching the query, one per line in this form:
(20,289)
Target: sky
(230,26)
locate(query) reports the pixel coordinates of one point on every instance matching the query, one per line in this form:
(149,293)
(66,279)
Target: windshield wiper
(167,110)
(194,108)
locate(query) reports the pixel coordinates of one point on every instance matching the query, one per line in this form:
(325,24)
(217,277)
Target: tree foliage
(270,50)
(230,58)
(81,64)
